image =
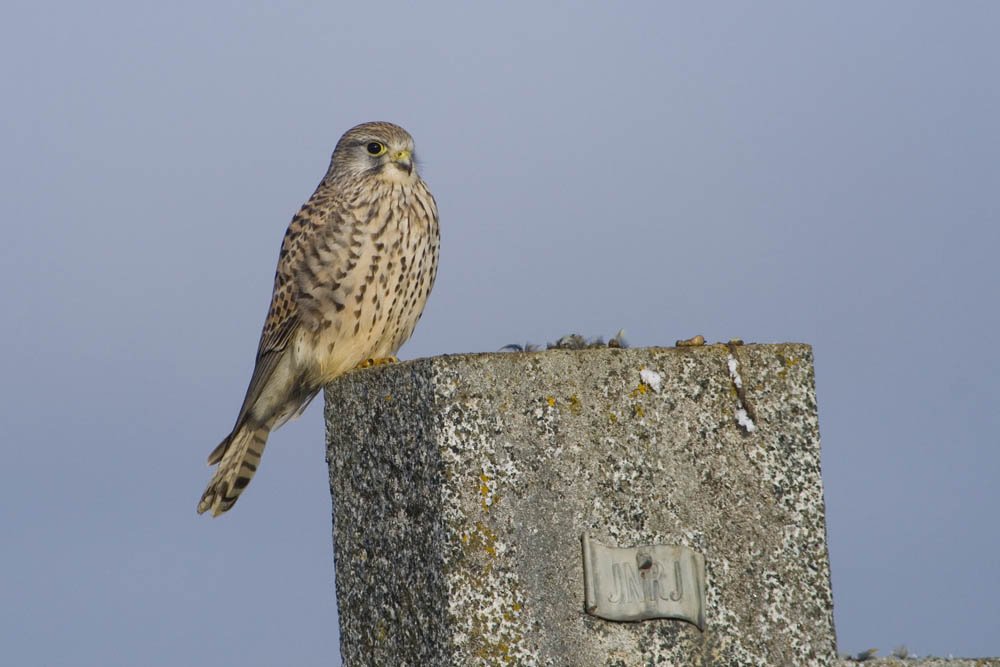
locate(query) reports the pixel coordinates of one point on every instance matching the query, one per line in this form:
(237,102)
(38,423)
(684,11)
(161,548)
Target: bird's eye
(375,148)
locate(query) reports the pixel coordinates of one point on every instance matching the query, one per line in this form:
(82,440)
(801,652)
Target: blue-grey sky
(785,171)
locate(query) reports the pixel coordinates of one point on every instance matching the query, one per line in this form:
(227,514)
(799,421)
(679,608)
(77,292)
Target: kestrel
(354,271)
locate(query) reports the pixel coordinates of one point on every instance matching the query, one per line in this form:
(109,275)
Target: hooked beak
(404,160)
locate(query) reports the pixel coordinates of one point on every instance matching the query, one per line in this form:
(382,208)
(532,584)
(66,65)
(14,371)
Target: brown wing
(283,318)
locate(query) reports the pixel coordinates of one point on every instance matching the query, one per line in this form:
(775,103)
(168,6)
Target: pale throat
(393,174)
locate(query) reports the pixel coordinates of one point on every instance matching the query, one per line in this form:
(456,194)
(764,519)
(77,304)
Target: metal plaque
(638,583)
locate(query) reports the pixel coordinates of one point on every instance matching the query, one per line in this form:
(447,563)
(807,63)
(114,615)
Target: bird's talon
(381,361)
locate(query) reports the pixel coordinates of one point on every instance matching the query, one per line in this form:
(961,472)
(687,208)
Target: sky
(826,173)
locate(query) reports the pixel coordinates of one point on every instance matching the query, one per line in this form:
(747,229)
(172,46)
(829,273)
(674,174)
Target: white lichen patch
(485,602)
(743,419)
(742,416)
(494,476)
(734,371)
(651,378)
(486,608)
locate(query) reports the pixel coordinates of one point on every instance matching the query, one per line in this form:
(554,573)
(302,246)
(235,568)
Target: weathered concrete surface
(921,662)
(462,485)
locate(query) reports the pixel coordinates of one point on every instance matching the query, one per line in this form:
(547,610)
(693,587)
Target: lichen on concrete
(919,662)
(462,484)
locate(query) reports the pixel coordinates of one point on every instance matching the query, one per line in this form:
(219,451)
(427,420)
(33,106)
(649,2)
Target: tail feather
(217,453)
(238,457)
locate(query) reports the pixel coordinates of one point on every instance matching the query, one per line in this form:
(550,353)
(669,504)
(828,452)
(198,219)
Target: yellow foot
(378,362)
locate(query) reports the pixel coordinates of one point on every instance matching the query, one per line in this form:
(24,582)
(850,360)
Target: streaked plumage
(355,269)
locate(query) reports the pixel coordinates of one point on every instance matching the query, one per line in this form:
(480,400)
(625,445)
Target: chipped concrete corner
(462,486)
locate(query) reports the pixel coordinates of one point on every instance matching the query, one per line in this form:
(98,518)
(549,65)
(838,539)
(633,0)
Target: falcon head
(381,150)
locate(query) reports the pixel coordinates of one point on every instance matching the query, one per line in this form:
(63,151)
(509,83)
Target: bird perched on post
(354,271)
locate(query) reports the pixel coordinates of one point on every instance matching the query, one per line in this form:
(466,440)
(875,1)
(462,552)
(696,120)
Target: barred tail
(238,457)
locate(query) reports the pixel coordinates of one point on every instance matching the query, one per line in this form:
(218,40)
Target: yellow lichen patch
(484,539)
(488,496)
(552,401)
(493,631)
(637,409)
(388,399)
(574,405)
(791,361)
(612,418)
(641,389)
(489,600)
(507,644)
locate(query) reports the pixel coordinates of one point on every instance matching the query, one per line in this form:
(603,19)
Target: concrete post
(464,486)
